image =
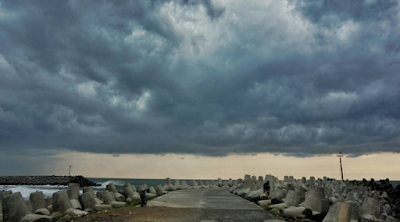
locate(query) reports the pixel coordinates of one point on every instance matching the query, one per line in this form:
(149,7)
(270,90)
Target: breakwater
(44,180)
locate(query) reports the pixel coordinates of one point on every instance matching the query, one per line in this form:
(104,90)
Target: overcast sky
(199,77)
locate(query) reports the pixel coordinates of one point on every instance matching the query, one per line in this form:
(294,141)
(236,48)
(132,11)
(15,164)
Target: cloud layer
(200,77)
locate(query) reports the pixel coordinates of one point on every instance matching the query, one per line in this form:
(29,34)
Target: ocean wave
(26,190)
(115,182)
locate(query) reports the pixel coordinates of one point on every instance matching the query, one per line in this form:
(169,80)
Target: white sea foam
(115,182)
(26,190)
(48,190)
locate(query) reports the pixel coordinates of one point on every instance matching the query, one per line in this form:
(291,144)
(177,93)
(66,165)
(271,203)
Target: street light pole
(340,155)
(69,174)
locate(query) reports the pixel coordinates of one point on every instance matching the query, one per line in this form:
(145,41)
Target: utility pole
(69,174)
(340,155)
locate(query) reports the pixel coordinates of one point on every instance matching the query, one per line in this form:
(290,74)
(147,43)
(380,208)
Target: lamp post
(69,174)
(340,155)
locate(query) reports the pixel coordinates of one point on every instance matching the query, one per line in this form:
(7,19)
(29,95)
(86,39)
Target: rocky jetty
(323,199)
(44,180)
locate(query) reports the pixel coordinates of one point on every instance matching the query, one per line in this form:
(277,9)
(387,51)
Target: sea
(48,190)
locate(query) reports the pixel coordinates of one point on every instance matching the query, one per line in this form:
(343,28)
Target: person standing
(266,189)
(143,200)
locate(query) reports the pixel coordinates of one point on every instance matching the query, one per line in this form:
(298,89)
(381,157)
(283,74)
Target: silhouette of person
(267,188)
(143,200)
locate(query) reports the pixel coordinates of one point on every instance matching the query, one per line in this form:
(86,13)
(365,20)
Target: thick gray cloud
(200,77)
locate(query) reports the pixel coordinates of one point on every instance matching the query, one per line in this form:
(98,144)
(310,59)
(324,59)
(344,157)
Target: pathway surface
(216,204)
(202,205)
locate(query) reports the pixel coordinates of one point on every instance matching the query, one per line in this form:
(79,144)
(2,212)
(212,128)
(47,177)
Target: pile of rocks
(44,180)
(322,199)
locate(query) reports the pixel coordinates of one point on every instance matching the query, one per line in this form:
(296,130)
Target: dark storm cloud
(199,77)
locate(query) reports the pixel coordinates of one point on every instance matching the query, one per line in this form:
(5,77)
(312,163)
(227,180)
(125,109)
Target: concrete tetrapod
(130,194)
(2,194)
(293,212)
(193,184)
(108,199)
(369,208)
(159,190)
(278,194)
(178,185)
(315,202)
(220,182)
(184,184)
(73,194)
(243,192)
(29,205)
(16,210)
(62,204)
(168,185)
(90,204)
(339,212)
(255,192)
(38,203)
(225,184)
(354,217)
(111,187)
(152,190)
(91,191)
(230,182)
